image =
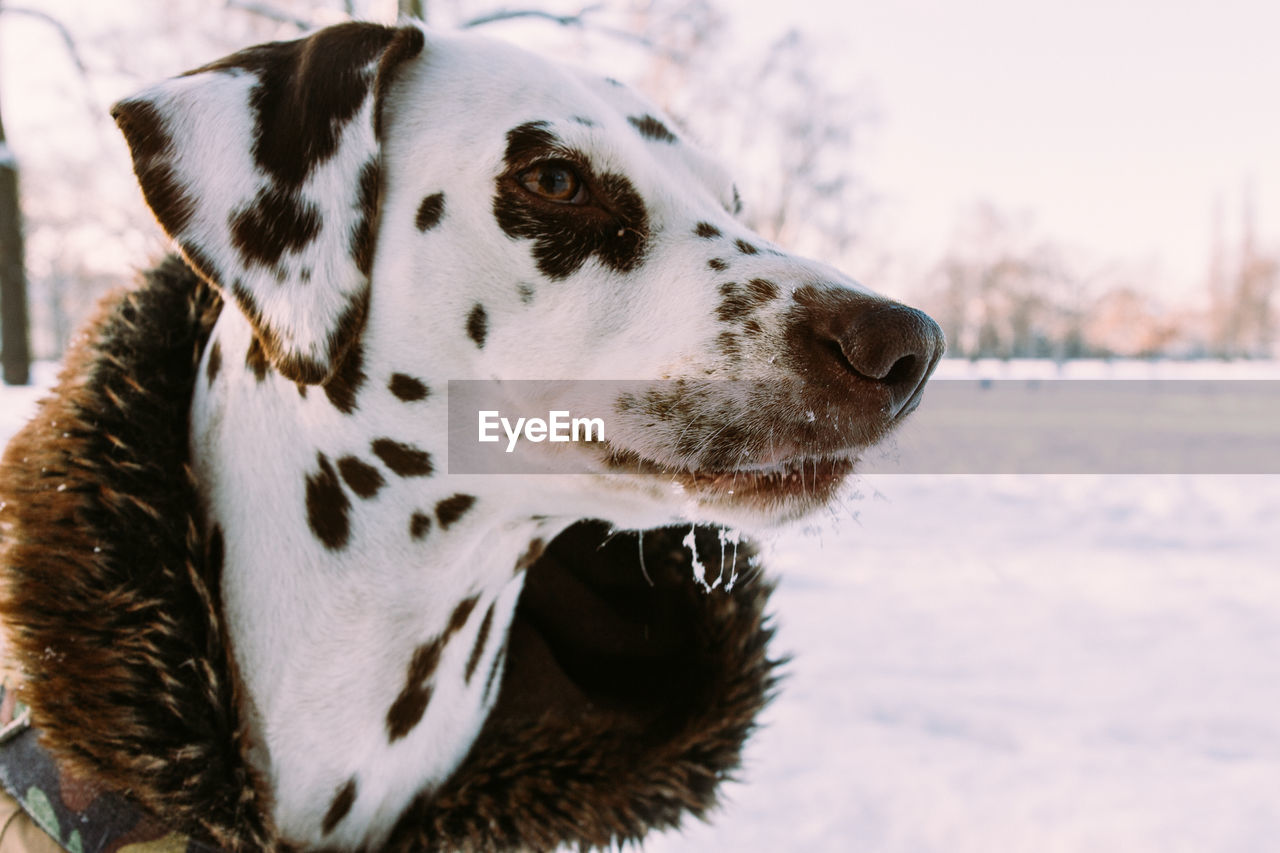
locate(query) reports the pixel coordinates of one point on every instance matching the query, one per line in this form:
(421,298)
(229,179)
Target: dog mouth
(791,486)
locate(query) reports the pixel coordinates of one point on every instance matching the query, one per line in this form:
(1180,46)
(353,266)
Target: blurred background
(979,663)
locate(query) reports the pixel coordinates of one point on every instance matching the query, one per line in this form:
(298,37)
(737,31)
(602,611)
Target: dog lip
(809,479)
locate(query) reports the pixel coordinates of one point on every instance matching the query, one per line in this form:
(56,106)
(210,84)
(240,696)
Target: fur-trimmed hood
(628,693)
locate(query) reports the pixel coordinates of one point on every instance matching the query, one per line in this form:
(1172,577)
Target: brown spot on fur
(717,265)
(762,290)
(364,229)
(407,388)
(745,248)
(342,802)
(419,525)
(215,361)
(276,221)
(347,380)
(408,708)
(453,508)
(481,638)
(525,292)
(706,230)
(403,459)
(727,343)
(735,305)
(460,615)
(256,360)
(362,477)
(478,325)
(430,212)
(327,506)
(652,128)
(531,554)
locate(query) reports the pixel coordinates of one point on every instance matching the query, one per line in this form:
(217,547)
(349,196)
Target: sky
(1111,128)
(1114,127)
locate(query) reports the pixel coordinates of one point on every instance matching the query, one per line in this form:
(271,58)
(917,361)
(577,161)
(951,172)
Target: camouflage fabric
(73,812)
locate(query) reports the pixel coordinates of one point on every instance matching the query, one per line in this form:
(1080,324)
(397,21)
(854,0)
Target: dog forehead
(469,92)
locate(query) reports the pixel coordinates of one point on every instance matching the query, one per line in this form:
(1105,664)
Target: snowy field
(1017,663)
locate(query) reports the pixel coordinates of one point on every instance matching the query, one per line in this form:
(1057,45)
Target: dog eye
(556,182)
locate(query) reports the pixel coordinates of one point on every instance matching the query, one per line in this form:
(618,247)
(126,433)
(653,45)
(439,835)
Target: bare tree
(1242,288)
(1001,293)
(13,277)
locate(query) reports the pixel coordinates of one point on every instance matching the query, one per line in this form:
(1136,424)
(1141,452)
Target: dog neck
(367,599)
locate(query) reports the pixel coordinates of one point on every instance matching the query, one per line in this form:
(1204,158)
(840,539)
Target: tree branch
(67,40)
(269,12)
(73,51)
(578,19)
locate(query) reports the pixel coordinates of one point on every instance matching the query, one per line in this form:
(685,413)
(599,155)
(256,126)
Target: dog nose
(893,345)
(871,339)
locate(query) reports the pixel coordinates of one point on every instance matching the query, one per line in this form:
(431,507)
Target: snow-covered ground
(1017,663)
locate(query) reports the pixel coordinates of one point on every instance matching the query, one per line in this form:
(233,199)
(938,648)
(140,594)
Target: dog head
(450,208)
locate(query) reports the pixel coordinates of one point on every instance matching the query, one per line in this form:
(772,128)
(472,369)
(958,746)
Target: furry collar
(626,699)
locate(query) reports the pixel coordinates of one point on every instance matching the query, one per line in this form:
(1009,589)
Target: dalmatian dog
(386,210)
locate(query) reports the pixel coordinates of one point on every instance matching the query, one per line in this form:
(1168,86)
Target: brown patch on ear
(299,368)
(364,231)
(276,221)
(308,90)
(406,45)
(149,142)
(305,95)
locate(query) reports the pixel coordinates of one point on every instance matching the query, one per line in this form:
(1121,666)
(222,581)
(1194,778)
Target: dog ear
(263,167)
